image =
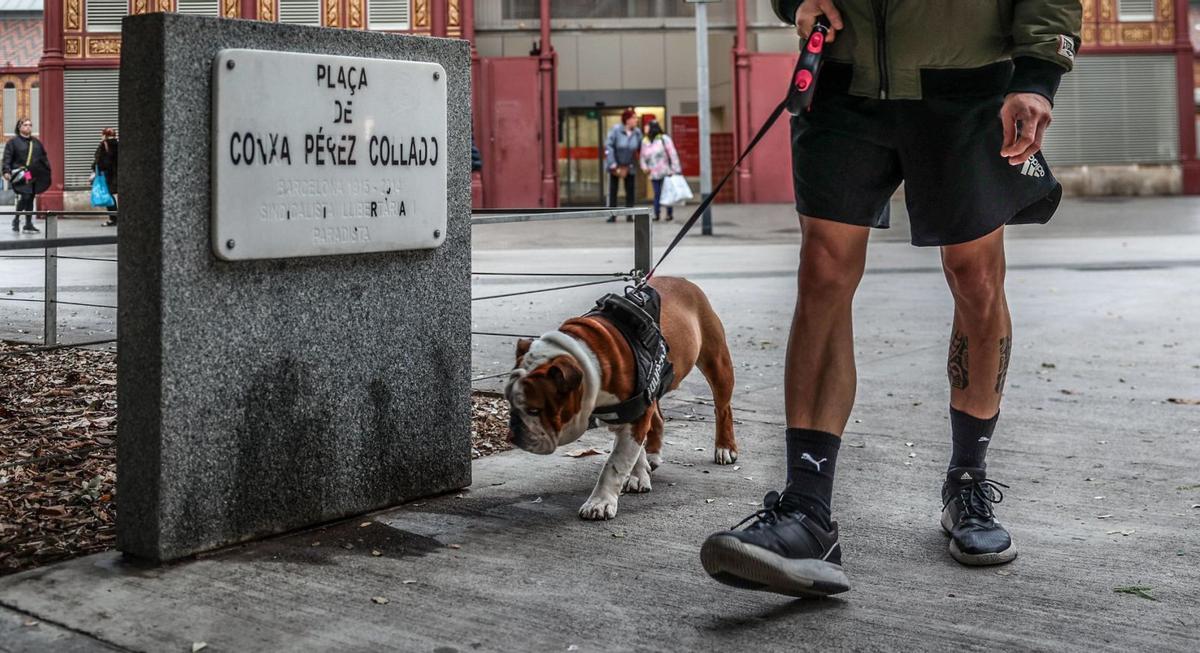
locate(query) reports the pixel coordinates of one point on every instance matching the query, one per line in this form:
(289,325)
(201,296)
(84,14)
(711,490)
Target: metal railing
(50,245)
(643,245)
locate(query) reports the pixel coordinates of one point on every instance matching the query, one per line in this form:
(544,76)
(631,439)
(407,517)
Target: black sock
(971,437)
(811,461)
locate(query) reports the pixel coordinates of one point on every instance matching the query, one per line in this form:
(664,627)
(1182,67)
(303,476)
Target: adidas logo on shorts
(1032,168)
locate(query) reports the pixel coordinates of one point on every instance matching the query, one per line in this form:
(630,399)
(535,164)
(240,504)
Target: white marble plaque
(315,155)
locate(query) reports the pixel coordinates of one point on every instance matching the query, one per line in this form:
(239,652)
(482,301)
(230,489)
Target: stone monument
(294,277)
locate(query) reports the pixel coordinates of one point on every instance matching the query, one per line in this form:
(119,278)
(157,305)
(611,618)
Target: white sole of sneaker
(752,567)
(976,559)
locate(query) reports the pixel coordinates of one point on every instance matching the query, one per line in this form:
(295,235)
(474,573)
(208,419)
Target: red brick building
(20,50)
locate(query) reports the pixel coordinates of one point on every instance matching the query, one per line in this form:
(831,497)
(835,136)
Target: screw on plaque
(229,244)
(229,64)
(437,233)
(437,75)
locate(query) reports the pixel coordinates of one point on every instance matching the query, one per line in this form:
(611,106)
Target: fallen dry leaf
(454,546)
(1184,402)
(380,600)
(199,646)
(580,453)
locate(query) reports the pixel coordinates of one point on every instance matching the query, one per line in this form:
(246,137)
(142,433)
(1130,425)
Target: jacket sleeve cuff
(1033,75)
(786,10)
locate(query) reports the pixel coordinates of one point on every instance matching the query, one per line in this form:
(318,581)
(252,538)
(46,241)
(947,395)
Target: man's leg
(630,186)
(980,346)
(819,378)
(613,182)
(795,550)
(982,335)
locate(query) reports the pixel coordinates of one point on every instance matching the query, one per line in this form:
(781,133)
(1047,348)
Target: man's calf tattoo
(1005,354)
(956,366)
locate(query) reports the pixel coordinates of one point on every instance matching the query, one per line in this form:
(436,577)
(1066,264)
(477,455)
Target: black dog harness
(636,315)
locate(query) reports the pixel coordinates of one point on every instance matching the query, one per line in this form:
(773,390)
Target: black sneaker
(31,229)
(976,538)
(16,223)
(783,551)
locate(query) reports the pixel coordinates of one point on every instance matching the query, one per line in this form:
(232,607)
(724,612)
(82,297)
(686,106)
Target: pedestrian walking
(27,169)
(659,160)
(953,99)
(620,156)
(105,163)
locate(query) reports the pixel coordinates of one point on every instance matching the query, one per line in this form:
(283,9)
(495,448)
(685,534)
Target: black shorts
(849,154)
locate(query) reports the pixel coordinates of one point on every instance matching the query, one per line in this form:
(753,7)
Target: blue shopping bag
(100,195)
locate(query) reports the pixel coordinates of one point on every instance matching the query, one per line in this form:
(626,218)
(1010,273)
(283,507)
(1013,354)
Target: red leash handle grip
(803,84)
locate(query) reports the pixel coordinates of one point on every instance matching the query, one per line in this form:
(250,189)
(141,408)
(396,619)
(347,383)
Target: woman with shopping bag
(660,162)
(104,174)
(27,168)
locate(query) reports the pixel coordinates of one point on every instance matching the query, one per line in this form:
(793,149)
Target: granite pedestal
(262,396)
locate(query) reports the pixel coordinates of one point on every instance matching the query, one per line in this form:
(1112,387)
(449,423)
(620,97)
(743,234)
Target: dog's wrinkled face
(545,395)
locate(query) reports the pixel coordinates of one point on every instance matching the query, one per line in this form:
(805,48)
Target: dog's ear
(523,347)
(565,374)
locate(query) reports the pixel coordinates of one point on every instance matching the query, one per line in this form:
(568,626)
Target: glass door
(581,158)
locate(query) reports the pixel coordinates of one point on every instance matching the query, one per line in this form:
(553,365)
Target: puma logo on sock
(816,463)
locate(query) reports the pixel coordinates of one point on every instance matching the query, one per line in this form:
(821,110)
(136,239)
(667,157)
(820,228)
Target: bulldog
(562,378)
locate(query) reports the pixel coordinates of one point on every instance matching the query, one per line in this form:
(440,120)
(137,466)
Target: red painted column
(51,127)
(439,18)
(249,9)
(1184,57)
(547,65)
(466,13)
(741,102)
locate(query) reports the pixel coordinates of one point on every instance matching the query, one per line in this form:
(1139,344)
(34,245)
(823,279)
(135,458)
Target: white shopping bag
(675,191)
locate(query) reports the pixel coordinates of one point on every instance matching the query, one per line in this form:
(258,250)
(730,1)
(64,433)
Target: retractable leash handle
(804,79)
(799,98)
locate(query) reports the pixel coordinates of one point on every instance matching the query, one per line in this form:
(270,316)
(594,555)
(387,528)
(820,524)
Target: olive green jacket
(921,38)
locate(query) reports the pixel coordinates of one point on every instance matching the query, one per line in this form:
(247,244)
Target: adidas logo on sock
(966,476)
(1032,168)
(985,439)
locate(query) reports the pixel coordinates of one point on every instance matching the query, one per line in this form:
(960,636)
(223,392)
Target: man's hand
(7,176)
(1025,117)
(806,16)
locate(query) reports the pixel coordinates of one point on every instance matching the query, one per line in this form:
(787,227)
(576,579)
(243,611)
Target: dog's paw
(638,482)
(599,508)
(724,456)
(655,460)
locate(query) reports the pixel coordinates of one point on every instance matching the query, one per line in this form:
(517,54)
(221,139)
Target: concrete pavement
(1103,469)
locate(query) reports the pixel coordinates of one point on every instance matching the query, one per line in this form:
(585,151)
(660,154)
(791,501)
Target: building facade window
(35,108)
(388,14)
(105,15)
(300,12)
(90,101)
(573,9)
(10,107)
(1135,10)
(198,7)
